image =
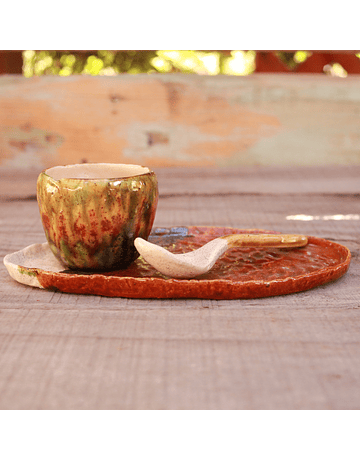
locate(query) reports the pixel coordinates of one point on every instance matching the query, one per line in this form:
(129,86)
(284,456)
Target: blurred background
(223,62)
(176,108)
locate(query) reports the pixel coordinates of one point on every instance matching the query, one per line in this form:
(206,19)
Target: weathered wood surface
(15,184)
(302,351)
(180,120)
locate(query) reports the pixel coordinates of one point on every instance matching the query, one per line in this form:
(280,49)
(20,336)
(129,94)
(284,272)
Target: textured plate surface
(240,273)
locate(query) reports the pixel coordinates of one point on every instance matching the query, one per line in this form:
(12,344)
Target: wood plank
(342,179)
(220,360)
(179,120)
(176,359)
(61,351)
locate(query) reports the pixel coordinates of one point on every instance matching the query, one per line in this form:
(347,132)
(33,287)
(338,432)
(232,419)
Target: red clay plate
(240,273)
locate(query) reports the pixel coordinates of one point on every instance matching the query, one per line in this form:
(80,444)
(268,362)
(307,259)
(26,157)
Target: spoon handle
(265,240)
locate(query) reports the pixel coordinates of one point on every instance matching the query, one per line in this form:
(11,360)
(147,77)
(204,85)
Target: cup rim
(96,171)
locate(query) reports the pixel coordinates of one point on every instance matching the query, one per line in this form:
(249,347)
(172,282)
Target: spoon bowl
(201,260)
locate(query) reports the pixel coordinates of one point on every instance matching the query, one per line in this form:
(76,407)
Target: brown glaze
(240,273)
(91,224)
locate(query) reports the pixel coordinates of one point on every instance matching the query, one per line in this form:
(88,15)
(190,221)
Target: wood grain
(179,120)
(302,351)
(185,181)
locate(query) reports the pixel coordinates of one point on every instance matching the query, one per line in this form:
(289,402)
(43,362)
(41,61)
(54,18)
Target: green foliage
(90,62)
(108,62)
(103,62)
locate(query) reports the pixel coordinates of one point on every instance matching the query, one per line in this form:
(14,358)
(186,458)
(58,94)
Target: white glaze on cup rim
(96,171)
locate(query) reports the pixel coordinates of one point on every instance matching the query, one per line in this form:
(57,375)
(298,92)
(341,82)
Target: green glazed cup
(92,213)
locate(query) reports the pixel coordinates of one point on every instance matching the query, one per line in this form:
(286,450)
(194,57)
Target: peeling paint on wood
(25,146)
(179,120)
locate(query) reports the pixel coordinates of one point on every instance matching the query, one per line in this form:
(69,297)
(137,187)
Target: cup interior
(94,171)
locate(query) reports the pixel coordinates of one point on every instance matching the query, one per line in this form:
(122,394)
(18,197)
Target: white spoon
(201,260)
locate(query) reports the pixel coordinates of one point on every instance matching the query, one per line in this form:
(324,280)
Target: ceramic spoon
(201,260)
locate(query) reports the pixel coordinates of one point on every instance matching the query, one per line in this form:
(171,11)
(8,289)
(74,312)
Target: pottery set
(98,219)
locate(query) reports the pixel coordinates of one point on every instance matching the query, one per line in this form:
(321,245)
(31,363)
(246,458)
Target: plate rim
(41,278)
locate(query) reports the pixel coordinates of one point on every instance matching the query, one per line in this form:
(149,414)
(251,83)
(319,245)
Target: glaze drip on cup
(92,213)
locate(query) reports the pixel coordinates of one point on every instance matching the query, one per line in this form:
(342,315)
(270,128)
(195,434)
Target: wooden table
(300,351)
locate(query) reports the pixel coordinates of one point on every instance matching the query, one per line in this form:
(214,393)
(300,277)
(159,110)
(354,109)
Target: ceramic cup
(92,212)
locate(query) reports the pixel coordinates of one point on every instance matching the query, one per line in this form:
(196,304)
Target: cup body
(92,213)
